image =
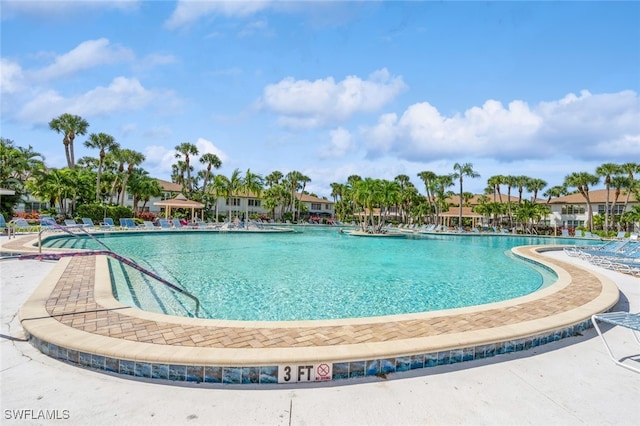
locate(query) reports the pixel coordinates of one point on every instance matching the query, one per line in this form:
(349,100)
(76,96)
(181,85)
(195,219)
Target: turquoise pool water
(318,273)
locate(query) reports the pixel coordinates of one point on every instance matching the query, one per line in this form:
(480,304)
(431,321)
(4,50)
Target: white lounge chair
(622,319)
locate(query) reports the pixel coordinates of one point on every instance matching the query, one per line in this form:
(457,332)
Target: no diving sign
(305,373)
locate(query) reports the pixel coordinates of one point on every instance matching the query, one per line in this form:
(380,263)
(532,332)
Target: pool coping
(61,325)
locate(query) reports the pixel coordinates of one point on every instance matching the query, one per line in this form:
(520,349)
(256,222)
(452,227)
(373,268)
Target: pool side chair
(3,224)
(107,223)
(621,319)
(21,225)
(176,223)
(565,233)
(88,223)
(621,235)
(149,225)
(164,223)
(578,233)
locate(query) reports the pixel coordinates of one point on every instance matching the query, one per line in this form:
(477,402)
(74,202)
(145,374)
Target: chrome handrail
(121,259)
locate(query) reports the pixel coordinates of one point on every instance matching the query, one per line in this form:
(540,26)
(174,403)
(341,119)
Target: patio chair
(164,223)
(149,225)
(21,225)
(107,223)
(176,223)
(127,223)
(70,223)
(622,319)
(87,221)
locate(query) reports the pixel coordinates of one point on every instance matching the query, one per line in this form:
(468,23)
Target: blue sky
(333,88)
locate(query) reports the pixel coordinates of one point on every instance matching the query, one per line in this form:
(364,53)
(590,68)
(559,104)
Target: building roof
(595,196)
(169,186)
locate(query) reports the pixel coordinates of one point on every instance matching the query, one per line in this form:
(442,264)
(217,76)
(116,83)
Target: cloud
(189,11)
(123,94)
(306,104)
(597,124)
(11,76)
(341,143)
(88,54)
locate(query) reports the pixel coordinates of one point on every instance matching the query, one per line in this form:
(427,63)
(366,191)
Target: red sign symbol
(323,370)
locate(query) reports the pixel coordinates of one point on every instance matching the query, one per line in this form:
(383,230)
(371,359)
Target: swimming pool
(318,273)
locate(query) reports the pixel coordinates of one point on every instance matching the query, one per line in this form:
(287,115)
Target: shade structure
(179,202)
(4,191)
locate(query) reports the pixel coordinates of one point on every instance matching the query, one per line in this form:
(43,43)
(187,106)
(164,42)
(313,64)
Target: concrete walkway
(571,382)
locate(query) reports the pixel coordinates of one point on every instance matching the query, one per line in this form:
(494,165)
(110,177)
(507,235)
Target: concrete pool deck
(564,373)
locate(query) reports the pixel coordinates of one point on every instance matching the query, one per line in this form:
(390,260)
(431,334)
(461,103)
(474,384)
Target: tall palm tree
(70,126)
(581,181)
(230,187)
(252,184)
(294,177)
(211,161)
(630,169)
(521,183)
(606,170)
(495,182)
(104,143)
(429,179)
(186,149)
(273,178)
(442,182)
(535,185)
(461,171)
(555,192)
(133,159)
(618,182)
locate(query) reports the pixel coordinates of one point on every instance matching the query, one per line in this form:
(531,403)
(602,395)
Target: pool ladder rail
(106,252)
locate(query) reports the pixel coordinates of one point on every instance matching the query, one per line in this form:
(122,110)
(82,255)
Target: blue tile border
(253,375)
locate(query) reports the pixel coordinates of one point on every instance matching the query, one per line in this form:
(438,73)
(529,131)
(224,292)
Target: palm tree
(212,161)
(442,182)
(104,143)
(495,182)
(618,182)
(429,179)
(521,182)
(555,191)
(273,178)
(186,149)
(630,169)
(581,181)
(70,126)
(252,184)
(133,159)
(606,170)
(294,177)
(534,185)
(229,187)
(461,171)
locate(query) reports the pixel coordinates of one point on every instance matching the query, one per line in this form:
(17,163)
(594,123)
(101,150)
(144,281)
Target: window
(570,209)
(254,203)
(575,223)
(316,206)
(233,201)
(619,208)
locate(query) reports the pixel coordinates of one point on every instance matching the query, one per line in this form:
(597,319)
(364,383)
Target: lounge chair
(164,223)
(565,233)
(70,223)
(3,223)
(578,233)
(107,223)
(621,235)
(127,223)
(622,319)
(21,225)
(176,223)
(149,225)
(88,222)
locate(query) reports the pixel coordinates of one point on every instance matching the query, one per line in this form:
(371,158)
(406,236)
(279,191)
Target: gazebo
(179,202)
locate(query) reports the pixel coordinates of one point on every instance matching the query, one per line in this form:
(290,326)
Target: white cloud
(595,123)
(123,94)
(11,76)
(189,11)
(86,55)
(308,104)
(341,143)
(205,146)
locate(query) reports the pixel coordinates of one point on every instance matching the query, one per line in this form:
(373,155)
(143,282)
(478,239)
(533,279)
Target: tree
(630,169)
(104,143)
(142,188)
(606,170)
(252,184)
(461,171)
(229,187)
(133,159)
(273,178)
(521,182)
(555,192)
(211,161)
(70,126)
(535,185)
(294,178)
(429,179)
(495,182)
(186,149)
(582,181)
